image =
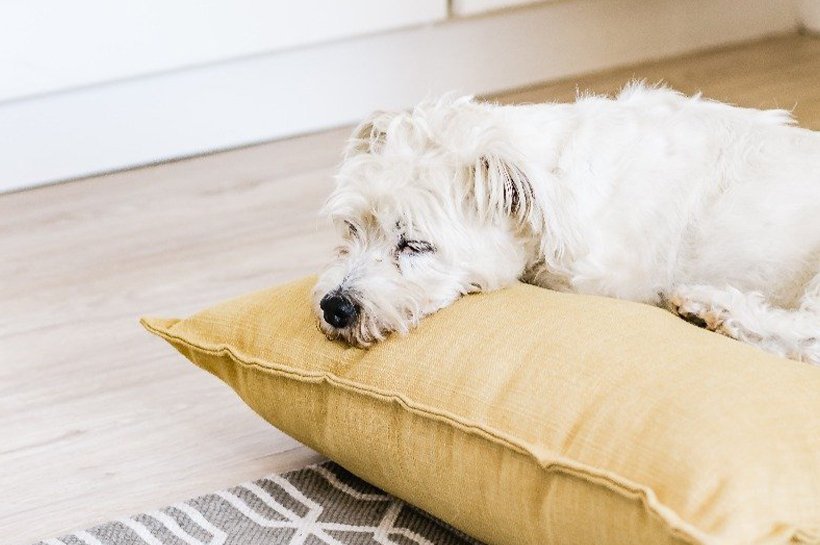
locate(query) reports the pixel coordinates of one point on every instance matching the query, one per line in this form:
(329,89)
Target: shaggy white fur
(710,210)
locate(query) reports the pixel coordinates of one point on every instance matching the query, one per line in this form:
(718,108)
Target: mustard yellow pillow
(531,417)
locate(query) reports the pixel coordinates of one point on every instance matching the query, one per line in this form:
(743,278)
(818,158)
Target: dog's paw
(694,306)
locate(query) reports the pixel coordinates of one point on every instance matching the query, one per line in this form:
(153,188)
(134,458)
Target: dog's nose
(339,311)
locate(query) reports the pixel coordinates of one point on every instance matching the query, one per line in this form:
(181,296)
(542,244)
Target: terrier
(709,210)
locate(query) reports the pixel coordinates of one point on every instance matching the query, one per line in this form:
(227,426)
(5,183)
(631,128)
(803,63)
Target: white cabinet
(52,45)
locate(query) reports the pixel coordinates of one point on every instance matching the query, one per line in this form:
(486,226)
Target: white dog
(710,210)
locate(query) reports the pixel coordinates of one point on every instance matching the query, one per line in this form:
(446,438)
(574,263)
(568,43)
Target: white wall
(123,123)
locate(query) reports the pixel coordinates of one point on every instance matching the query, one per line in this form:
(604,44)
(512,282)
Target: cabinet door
(50,45)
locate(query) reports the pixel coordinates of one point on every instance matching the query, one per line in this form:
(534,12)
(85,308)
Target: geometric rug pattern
(320,504)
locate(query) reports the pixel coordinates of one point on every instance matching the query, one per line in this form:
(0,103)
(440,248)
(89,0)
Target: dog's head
(428,208)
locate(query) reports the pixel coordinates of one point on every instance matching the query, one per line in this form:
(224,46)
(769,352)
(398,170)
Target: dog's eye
(352,231)
(414,247)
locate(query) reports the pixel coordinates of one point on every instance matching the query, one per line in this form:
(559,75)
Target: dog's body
(710,210)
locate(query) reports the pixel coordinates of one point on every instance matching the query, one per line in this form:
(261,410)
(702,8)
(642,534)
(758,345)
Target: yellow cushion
(532,417)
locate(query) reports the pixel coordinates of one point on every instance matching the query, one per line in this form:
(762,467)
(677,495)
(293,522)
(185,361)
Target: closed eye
(414,247)
(352,231)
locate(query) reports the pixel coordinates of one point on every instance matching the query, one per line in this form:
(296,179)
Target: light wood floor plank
(97,418)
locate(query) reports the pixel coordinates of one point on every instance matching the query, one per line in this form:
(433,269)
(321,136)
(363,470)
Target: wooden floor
(99,419)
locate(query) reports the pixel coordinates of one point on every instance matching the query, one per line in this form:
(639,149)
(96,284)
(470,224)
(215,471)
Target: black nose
(339,311)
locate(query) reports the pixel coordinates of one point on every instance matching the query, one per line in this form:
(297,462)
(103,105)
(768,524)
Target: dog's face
(413,237)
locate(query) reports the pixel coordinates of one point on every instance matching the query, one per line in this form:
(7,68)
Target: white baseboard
(129,123)
(808,13)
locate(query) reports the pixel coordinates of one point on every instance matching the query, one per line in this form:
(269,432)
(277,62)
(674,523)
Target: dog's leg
(749,318)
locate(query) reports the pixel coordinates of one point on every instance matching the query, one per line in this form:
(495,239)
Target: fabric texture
(321,504)
(526,416)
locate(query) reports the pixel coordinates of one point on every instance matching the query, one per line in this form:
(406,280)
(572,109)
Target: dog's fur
(710,210)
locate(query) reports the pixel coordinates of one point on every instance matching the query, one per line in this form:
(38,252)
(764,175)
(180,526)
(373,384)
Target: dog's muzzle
(338,310)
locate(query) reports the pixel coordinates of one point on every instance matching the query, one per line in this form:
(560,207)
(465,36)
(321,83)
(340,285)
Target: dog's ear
(502,188)
(369,136)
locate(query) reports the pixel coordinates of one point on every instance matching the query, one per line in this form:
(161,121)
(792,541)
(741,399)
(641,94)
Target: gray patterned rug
(320,504)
